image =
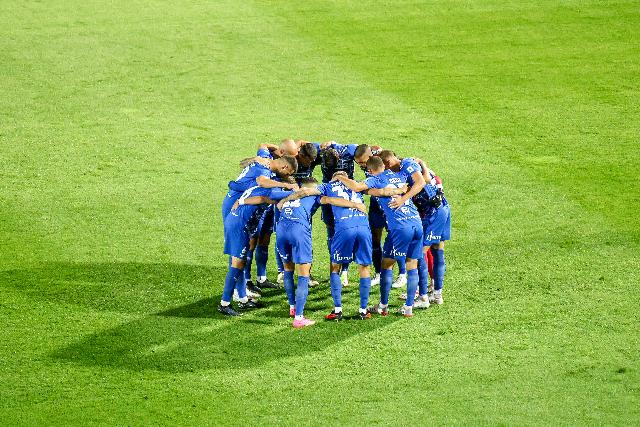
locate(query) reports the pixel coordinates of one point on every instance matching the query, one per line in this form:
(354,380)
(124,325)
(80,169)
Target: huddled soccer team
(276,192)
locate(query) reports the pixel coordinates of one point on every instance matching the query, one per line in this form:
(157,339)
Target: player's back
(244,213)
(345,217)
(406,214)
(299,211)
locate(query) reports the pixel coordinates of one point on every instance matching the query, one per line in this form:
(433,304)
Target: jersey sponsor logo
(395,253)
(432,236)
(338,257)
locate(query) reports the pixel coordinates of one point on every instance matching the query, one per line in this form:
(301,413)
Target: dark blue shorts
(352,243)
(403,243)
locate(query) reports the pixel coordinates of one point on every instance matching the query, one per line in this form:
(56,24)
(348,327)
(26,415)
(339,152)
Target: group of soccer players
(276,193)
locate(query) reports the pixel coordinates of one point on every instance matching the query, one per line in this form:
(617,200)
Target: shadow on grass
(168,334)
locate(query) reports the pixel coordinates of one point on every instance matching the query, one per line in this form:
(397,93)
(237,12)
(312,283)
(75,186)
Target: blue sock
(402,266)
(377,258)
(262,256)
(423,276)
(241,286)
(288,287)
(247,266)
(336,289)
(412,286)
(301,294)
(279,262)
(330,232)
(365,289)
(386,277)
(439,268)
(230,283)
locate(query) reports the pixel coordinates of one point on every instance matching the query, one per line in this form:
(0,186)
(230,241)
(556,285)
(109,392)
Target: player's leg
(363,257)
(302,291)
(413,254)
(376,241)
(336,292)
(236,242)
(377,224)
(302,255)
(247,267)
(401,280)
(341,249)
(422,300)
(439,268)
(284,248)
(429,259)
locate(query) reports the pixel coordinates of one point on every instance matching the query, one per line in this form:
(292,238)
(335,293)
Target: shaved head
(288,147)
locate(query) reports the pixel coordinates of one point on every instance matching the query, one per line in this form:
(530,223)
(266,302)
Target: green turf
(121,122)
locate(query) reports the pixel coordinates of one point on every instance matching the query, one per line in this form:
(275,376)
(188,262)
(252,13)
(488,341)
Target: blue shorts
(327,215)
(266,222)
(403,242)
(293,242)
(352,243)
(227,204)
(437,226)
(236,237)
(376,215)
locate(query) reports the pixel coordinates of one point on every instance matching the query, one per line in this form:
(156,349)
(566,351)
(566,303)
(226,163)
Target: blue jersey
(264,153)
(344,217)
(248,216)
(405,215)
(244,181)
(300,211)
(346,155)
(424,199)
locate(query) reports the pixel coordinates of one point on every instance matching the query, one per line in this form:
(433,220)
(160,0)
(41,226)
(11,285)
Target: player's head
(329,158)
(308,182)
(375,166)
(339,173)
(362,154)
(307,154)
(288,147)
(389,159)
(284,166)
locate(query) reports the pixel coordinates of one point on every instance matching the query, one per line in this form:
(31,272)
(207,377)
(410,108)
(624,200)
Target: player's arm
(299,194)
(265,182)
(327,144)
(339,201)
(387,192)
(357,186)
(270,147)
(253,200)
(418,185)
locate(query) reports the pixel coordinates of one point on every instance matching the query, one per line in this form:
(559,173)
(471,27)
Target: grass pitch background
(121,123)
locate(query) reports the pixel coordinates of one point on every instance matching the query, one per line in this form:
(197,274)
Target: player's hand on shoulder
(235,205)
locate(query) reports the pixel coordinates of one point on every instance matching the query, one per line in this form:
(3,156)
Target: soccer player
(262,175)
(404,239)
(352,238)
(376,217)
(294,242)
(237,224)
(335,157)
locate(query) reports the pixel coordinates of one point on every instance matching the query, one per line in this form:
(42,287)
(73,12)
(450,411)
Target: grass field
(121,122)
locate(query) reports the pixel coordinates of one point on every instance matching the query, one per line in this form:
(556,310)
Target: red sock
(429,258)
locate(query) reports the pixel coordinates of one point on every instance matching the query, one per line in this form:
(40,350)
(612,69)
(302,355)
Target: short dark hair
(375,163)
(308,151)
(386,154)
(329,158)
(291,161)
(308,180)
(360,150)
